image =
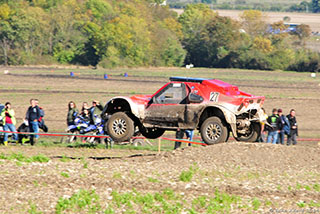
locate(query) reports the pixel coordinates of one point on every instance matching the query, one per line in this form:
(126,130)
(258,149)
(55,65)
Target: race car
(212,106)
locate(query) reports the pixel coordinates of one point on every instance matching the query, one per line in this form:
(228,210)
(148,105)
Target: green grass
(165,146)
(64,174)
(256,203)
(33,209)
(187,175)
(22,158)
(81,201)
(165,201)
(117,175)
(316,187)
(153,180)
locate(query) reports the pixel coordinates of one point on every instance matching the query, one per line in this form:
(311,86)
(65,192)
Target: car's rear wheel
(213,131)
(151,133)
(120,127)
(252,134)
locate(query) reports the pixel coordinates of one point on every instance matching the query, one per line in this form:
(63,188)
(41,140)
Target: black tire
(252,135)
(228,135)
(213,131)
(120,127)
(151,133)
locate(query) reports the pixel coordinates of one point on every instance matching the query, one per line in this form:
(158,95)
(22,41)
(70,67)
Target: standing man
(9,122)
(284,123)
(293,128)
(33,116)
(275,128)
(179,135)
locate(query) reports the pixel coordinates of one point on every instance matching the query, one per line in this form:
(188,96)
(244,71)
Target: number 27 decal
(214,96)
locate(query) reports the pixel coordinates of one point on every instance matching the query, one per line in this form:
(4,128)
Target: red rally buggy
(212,106)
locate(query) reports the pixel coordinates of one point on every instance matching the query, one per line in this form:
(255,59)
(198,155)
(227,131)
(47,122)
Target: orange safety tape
(98,136)
(106,136)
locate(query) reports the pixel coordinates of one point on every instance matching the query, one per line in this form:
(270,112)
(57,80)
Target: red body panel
(227,93)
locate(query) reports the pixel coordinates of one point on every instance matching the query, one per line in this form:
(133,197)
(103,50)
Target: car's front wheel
(213,131)
(120,127)
(252,134)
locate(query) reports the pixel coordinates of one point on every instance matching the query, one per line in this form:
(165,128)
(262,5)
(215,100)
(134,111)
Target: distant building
(291,27)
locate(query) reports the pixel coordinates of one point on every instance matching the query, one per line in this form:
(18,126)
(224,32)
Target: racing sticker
(214,96)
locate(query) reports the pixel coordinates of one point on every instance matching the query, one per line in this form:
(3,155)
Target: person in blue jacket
(284,128)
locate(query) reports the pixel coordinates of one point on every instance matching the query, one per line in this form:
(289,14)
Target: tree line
(119,33)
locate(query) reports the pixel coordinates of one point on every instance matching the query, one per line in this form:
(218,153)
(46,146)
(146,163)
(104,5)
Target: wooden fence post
(159,145)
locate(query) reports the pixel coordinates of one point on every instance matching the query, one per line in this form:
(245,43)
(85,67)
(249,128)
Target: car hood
(141,99)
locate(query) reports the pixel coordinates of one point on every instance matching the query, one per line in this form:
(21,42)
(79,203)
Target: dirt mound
(262,176)
(252,155)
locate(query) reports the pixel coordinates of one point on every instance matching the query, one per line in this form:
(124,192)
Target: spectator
(33,116)
(95,111)
(275,128)
(85,116)
(189,133)
(84,106)
(9,122)
(284,123)
(293,128)
(86,120)
(72,113)
(41,123)
(179,135)
(263,133)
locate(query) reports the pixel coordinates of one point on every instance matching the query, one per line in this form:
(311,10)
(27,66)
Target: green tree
(194,21)
(221,39)
(66,39)
(7,34)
